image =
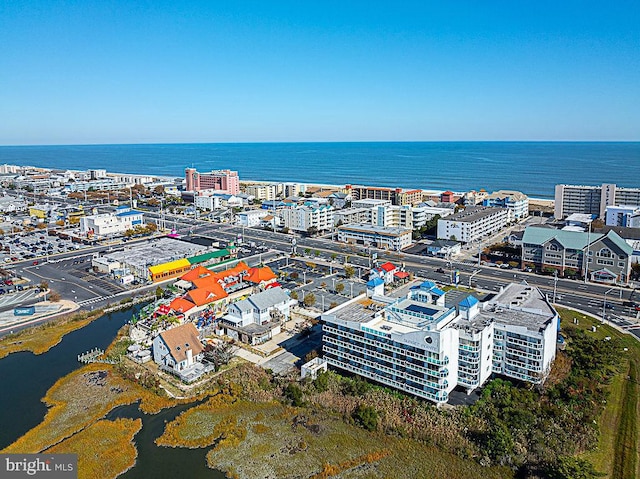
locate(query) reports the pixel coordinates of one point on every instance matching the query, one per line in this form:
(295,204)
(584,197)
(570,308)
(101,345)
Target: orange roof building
(202,296)
(181,305)
(195,273)
(261,275)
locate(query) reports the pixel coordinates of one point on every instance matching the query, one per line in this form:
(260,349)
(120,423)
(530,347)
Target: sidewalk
(43,311)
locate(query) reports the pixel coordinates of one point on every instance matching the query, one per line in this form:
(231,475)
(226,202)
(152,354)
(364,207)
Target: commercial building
(376,236)
(516,202)
(111,224)
(223,181)
(472,224)
(424,345)
(549,249)
(592,199)
(251,218)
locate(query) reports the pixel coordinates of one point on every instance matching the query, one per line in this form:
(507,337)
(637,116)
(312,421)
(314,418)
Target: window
(605,253)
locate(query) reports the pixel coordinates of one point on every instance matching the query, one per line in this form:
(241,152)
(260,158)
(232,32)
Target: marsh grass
(105,449)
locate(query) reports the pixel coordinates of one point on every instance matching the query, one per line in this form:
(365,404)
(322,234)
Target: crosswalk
(97,299)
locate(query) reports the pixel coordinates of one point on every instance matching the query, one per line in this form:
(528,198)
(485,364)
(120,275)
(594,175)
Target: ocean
(531,167)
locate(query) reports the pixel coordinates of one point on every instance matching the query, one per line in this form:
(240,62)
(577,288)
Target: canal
(26,378)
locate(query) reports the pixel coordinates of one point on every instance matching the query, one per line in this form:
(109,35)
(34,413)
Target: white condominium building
(516,202)
(473,223)
(301,218)
(592,199)
(376,236)
(426,346)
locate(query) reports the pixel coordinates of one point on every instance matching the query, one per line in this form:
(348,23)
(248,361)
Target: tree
(317,253)
(333,256)
(366,416)
(294,394)
(321,382)
(159,190)
(349,271)
(54,297)
(323,285)
(312,230)
(220,353)
(573,468)
(307,251)
(43,285)
(294,295)
(159,292)
(309,299)
(339,288)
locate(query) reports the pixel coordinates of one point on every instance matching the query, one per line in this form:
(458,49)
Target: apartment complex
(301,218)
(626,216)
(516,202)
(382,213)
(223,181)
(592,199)
(472,224)
(397,196)
(423,345)
(376,236)
(609,255)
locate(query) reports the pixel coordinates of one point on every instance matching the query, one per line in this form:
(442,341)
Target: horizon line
(308,142)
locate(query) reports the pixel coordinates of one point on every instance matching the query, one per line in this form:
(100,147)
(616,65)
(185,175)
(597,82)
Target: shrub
(366,416)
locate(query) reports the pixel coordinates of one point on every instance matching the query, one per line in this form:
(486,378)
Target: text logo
(49,466)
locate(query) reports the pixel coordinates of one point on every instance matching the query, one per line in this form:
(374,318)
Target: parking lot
(327,282)
(34,245)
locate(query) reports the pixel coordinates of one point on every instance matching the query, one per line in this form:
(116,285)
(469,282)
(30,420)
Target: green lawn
(617,454)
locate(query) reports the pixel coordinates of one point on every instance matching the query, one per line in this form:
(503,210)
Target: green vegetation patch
(105,449)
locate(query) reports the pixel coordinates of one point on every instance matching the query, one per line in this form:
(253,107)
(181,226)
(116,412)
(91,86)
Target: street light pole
(604,303)
(555,285)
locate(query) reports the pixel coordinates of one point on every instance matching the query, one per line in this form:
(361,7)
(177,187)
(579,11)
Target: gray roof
(269,298)
(473,213)
(623,232)
(619,242)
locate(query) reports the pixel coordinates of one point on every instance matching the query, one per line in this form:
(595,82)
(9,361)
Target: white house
(178,349)
(259,317)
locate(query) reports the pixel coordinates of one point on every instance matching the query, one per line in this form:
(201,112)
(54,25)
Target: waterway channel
(25,379)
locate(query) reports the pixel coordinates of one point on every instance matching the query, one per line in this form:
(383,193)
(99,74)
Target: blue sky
(243,71)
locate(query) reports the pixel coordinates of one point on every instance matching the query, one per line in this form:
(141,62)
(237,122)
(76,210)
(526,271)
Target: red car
(35,263)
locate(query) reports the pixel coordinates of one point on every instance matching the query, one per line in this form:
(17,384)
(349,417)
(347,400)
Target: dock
(94,356)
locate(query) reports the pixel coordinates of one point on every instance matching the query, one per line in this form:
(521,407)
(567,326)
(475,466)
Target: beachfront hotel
(592,200)
(222,181)
(424,344)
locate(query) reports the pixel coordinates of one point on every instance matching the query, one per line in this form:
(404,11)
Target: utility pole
(555,285)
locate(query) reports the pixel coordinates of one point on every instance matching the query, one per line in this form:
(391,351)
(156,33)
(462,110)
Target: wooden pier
(94,356)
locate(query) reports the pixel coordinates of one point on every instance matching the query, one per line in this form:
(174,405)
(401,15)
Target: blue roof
(437,291)
(469,301)
(129,213)
(428,285)
(375,282)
